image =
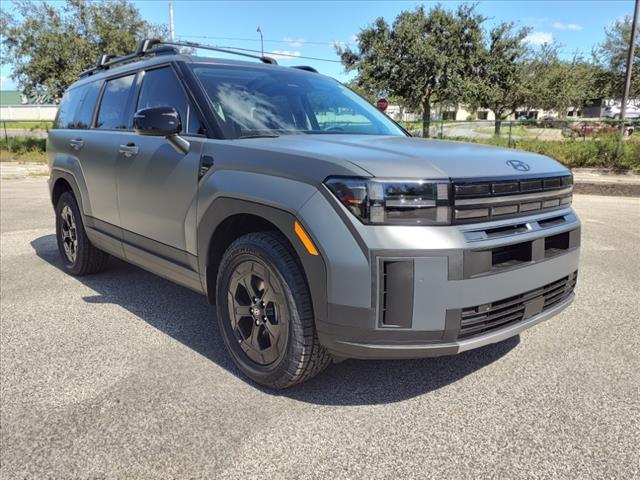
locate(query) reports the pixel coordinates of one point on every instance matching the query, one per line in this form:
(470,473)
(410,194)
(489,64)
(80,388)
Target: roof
(135,65)
(10,97)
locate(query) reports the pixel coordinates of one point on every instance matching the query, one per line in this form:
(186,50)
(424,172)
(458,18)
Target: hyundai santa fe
(317,226)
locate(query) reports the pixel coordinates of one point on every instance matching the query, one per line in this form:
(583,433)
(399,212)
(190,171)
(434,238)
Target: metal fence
(518,130)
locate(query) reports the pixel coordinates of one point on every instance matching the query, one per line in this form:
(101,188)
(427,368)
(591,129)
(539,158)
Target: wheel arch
(229,218)
(61,181)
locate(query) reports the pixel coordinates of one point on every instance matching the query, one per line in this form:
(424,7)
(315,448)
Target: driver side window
(160,87)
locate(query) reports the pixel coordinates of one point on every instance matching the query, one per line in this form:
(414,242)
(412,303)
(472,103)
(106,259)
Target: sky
(310,28)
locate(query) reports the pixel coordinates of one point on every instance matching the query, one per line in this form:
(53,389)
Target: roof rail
(306,68)
(154,46)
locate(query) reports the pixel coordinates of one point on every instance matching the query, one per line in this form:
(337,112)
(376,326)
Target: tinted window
(114,103)
(69,107)
(160,87)
(85,114)
(254,101)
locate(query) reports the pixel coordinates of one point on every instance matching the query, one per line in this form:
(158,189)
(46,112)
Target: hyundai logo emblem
(519,165)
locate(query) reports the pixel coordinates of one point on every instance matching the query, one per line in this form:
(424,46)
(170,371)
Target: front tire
(79,256)
(265,314)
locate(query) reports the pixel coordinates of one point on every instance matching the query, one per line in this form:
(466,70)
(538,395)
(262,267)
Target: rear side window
(112,114)
(88,105)
(69,107)
(160,87)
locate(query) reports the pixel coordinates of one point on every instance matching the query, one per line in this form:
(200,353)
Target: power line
(288,42)
(280,54)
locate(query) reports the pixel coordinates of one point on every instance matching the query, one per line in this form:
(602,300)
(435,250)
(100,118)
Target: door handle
(76,144)
(129,150)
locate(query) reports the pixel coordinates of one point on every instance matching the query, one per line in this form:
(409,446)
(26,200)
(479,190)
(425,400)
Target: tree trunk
(497,124)
(426,118)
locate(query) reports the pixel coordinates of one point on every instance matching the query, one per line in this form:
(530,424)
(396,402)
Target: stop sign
(382,104)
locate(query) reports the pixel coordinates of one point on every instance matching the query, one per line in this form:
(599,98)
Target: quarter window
(85,114)
(114,103)
(69,107)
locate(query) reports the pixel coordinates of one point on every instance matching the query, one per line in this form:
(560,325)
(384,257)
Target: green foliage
(501,88)
(49,44)
(23,149)
(554,84)
(611,55)
(423,57)
(600,152)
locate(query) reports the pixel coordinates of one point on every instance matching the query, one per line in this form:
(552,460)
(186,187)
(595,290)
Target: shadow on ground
(187,317)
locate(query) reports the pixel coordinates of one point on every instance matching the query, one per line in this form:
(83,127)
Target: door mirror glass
(157,121)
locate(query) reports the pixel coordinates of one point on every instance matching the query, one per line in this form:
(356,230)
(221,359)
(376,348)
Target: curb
(605,181)
(607,188)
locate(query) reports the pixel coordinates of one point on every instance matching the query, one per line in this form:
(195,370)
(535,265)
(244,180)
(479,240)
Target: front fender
(277,200)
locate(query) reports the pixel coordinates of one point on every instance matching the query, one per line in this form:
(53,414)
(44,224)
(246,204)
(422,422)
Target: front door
(157,186)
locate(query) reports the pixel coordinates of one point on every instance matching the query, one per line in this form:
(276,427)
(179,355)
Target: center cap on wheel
(255,311)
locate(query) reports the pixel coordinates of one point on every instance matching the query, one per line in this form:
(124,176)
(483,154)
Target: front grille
(476,201)
(483,318)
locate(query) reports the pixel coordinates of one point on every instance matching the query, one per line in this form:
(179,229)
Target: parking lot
(124,375)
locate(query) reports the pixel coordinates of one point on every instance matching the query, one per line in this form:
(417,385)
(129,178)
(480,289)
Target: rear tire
(265,314)
(79,256)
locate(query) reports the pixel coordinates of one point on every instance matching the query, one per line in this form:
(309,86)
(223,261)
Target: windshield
(253,102)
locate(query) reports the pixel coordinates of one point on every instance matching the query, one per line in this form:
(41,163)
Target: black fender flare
(224,208)
(58,174)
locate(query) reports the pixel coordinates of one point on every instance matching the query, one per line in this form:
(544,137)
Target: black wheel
(264,312)
(80,257)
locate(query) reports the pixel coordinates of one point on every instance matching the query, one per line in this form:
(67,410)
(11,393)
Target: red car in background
(588,129)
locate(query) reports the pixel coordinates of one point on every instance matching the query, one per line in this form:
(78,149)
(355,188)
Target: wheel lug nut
(257,322)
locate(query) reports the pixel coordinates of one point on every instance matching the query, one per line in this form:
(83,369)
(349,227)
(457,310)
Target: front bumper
(352,349)
(449,277)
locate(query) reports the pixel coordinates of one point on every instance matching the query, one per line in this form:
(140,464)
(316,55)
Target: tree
(556,84)
(612,53)
(49,45)
(501,88)
(423,58)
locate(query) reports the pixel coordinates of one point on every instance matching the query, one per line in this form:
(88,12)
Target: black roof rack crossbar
(154,46)
(262,58)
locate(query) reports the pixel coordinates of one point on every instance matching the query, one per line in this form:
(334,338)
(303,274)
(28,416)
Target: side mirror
(161,122)
(157,121)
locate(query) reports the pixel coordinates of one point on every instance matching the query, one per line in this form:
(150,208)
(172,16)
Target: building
(14,106)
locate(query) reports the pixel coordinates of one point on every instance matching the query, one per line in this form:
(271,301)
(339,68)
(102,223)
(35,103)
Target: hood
(408,157)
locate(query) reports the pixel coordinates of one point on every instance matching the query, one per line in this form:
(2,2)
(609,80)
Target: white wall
(28,112)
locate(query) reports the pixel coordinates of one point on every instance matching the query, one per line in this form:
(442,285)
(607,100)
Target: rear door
(156,184)
(100,151)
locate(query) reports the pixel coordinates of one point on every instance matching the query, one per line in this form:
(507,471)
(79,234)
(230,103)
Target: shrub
(23,148)
(600,152)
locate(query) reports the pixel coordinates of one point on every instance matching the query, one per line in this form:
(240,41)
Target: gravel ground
(124,375)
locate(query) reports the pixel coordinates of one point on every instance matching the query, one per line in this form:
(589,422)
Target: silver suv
(317,226)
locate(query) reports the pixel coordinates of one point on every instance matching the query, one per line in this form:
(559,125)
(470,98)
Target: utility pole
(632,46)
(171,31)
(259,30)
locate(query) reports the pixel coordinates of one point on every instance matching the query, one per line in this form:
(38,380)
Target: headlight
(394,202)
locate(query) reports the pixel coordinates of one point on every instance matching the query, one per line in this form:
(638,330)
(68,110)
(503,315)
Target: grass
(29,125)
(23,149)
(600,152)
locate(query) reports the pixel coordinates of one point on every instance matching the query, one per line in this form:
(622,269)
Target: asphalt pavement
(124,375)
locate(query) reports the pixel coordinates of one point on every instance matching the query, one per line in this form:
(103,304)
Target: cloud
(539,38)
(567,26)
(294,42)
(285,54)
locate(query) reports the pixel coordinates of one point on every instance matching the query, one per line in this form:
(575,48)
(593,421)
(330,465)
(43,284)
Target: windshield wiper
(259,135)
